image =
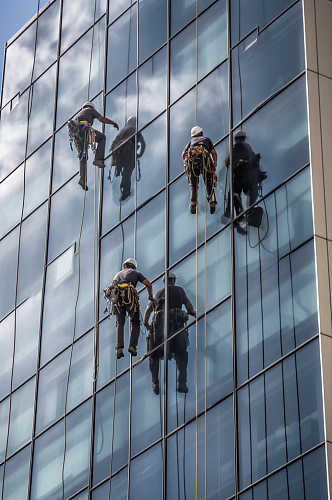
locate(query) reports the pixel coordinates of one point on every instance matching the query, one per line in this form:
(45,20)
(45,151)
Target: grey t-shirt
(88,114)
(129,276)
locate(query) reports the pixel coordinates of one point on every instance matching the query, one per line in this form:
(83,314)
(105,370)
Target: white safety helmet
(88,105)
(131,121)
(171,276)
(240,133)
(196,131)
(130,261)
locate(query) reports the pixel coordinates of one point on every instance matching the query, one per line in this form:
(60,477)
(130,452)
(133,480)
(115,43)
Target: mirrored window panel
(77,17)
(147,426)
(17,476)
(152,87)
(6,354)
(146,475)
(109,446)
(116,247)
(183,62)
(266,409)
(214,380)
(19,54)
(8,268)
(122,47)
(13,134)
(4,414)
(11,198)
(47,38)
(80,75)
(183,11)
(212,38)
(27,335)
(49,455)
(151,165)
(259,65)
(150,237)
(115,9)
(21,414)
(116,491)
(37,178)
(32,254)
(215,454)
(121,104)
(247,14)
(152,26)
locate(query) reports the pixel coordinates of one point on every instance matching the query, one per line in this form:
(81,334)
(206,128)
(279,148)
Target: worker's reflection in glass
(177,345)
(123,155)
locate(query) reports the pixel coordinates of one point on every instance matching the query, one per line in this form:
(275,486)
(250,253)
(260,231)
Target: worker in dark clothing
(123,157)
(246,176)
(87,116)
(197,160)
(127,280)
(177,346)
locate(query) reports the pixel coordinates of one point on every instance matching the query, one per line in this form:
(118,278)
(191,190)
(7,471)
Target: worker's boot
(83,184)
(155,388)
(119,353)
(193,198)
(132,350)
(99,163)
(212,202)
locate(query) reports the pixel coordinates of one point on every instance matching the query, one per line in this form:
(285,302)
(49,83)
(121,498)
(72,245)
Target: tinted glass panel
(37,178)
(116,491)
(152,19)
(116,8)
(4,413)
(152,87)
(146,475)
(8,266)
(314,468)
(17,476)
(11,197)
(47,38)
(21,414)
(183,62)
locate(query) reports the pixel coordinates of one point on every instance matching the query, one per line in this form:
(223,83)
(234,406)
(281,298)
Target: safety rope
(30,95)
(113,427)
(196,320)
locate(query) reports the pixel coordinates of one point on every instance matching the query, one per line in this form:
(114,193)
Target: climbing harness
(121,295)
(199,161)
(82,135)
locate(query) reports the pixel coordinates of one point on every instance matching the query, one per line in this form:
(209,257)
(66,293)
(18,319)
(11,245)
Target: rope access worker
(123,157)
(127,280)
(177,320)
(87,116)
(247,176)
(197,160)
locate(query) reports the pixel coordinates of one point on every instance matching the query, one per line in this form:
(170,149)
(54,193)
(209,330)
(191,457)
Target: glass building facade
(255,423)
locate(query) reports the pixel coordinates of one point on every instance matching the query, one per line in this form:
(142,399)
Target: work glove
(192,314)
(116,126)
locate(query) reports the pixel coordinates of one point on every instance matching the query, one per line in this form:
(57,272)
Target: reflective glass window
(121,104)
(152,26)
(27,335)
(21,415)
(152,164)
(6,353)
(183,11)
(246,15)
(4,414)
(259,492)
(212,38)
(315,481)
(259,68)
(275,424)
(183,62)
(17,476)
(116,8)
(11,197)
(37,178)
(13,132)
(119,487)
(49,453)
(65,161)
(75,72)
(107,445)
(77,17)
(19,54)
(116,247)
(32,254)
(152,87)
(291,408)
(8,267)
(150,240)
(147,407)
(41,114)
(122,47)
(47,38)
(295,481)
(146,475)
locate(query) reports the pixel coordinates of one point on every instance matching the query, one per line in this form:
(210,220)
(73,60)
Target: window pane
(122,47)
(258,64)
(37,178)
(6,354)
(74,72)
(77,17)
(244,438)
(4,414)
(119,487)
(8,266)
(259,492)
(257,428)
(315,481)
(13,132)
(146,475)
(246,15)
(27,335)
(295,481)
(291,408)
(17,476)
(182,11)
(47,38)
(21,415)
(183,62)
(65,162)
(275,424)
(19,55)
(116,8)
(150,239)
(153,161)
(11,197)
(212,38)
(152,19)
(152,87)
(32,254)
(41,115)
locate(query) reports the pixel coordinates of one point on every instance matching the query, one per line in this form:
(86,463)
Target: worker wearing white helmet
(127,280)
(200,157)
